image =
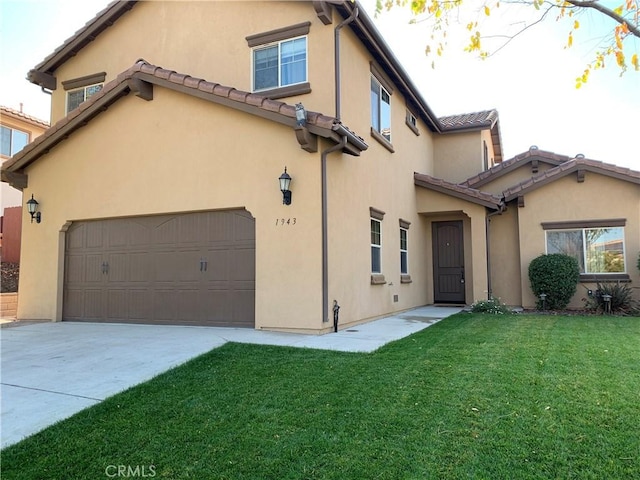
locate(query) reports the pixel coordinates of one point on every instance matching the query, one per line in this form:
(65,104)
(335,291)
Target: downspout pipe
(325,236)
(336,57)
(487,223)
(323,162)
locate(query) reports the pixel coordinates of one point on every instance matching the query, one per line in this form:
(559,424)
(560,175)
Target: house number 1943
(285,221)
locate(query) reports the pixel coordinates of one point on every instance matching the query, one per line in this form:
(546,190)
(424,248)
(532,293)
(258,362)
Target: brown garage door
(187,269)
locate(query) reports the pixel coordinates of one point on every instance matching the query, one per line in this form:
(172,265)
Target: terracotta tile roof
(570,166)
(317,123)
(476,120)
(459,191)
(514,163)
(469,122)
(10,111)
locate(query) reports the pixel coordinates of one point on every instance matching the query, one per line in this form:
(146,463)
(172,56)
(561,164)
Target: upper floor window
(280,64)
(82,88)
(380,109)
(76,97)
(597,250)
(12,141)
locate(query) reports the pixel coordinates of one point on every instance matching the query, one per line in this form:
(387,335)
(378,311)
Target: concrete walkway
(49,371)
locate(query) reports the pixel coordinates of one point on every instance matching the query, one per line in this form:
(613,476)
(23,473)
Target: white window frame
(377,246)
(404,251)
(12,131)
(584,261)
(84,90)
(278,44)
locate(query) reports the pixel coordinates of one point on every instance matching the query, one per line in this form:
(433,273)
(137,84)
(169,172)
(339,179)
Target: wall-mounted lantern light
(32,208)
(285,182)
(301,115)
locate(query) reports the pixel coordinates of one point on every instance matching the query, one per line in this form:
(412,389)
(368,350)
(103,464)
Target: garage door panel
(180,266)
(139,269)
(75,268)
(140,304)
(164,305)
(244,227)
(75,301)
(117,233)
(94,235)
(166,233)
(76,236)
(218,306)
(192,229)
(94,303)
(188,306)
(118,265)
(243,264)
(117,304)
(196,268)
(217,265)
(245,307)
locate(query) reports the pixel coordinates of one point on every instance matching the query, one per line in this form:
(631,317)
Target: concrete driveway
(51,370)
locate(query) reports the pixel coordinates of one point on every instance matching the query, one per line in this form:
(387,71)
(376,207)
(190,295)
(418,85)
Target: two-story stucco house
(173,124)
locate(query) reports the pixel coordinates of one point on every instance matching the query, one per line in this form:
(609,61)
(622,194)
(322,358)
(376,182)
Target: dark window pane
(265,68)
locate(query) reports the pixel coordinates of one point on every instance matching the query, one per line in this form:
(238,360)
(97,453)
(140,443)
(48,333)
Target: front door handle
(462,275)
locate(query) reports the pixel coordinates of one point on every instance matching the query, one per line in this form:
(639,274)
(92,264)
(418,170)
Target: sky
(530,82)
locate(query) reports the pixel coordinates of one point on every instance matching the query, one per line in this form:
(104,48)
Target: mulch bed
(10,274)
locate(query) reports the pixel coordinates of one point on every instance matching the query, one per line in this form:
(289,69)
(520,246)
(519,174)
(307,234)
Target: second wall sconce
(32,208)
(285,182)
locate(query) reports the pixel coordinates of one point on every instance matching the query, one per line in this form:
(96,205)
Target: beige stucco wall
(598,198)
(180,154)
(458,156)
(505,257)
(202,39)
(379,179)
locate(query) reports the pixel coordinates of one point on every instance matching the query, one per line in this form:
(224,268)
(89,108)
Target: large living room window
(598,249)
(12,141)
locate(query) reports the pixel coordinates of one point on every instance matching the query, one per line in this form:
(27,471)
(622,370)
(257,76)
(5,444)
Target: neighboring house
(160,195)
(17,129)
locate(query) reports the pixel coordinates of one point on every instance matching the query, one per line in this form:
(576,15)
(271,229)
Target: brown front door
(448,262)
(188,269)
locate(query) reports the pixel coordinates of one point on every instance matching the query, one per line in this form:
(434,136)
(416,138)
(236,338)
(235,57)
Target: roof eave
(43,73)
(494,203)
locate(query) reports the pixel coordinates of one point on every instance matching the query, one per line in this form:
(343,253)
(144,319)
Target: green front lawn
(522,397)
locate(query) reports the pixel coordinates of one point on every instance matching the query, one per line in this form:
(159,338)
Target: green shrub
(493,306)
(557,276)
(621,303)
